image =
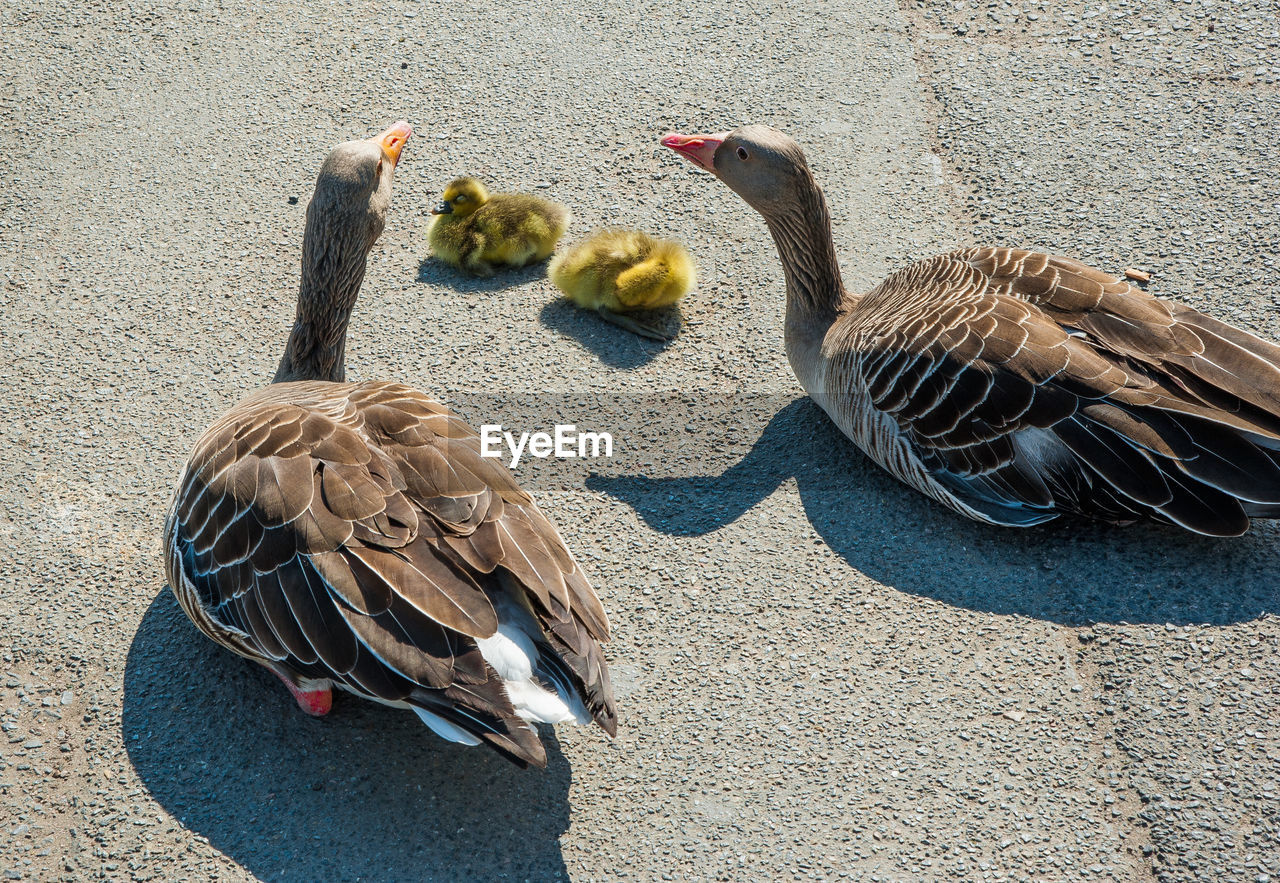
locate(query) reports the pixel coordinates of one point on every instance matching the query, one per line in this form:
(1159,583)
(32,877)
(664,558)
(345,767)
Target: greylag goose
(351,534)
(1013,386)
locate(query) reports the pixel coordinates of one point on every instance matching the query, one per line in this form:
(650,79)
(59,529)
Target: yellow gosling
(478,232)
(617,271)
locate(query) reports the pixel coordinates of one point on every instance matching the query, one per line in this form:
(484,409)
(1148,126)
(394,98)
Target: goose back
(354,534)
(1013,385)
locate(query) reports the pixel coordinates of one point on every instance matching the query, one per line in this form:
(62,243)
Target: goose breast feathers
(353,533)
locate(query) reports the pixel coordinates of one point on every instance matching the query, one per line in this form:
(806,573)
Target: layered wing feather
(353,533)
(1025,385)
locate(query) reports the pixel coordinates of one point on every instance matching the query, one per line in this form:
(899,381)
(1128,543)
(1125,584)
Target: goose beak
(392,141)
(697,149)
(443,208)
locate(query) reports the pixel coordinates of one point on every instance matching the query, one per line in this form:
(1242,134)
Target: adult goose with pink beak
(1013,386)
(351,535)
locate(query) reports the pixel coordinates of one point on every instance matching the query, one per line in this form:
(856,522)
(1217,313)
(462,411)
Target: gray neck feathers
(802,232)
(333,266)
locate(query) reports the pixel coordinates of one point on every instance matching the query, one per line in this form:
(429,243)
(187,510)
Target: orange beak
(393,139)
(697,149)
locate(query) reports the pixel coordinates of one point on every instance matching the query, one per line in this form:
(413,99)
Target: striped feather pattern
(1014,386)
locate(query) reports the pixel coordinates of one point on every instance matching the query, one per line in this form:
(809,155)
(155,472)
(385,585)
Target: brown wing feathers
(492,523)
(358,538)
(1167,413)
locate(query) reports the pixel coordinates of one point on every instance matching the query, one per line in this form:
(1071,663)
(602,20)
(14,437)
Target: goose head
(768,170)
(353,191)
(762,165)
(461,197)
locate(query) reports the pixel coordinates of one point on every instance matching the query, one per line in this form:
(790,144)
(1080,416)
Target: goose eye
(742,153)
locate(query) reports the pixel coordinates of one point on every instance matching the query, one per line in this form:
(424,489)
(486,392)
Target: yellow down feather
(477,232)
(623,270)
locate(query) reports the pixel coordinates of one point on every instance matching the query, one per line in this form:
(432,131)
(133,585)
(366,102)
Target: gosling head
(762,165)
(461,197)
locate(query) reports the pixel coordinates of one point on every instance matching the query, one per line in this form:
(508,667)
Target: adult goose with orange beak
(351,534)
(1013,386)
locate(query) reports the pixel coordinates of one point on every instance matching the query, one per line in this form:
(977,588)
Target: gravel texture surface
(820,673)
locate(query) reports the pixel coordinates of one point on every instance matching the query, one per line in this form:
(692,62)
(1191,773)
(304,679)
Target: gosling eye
(742,153)
(461,197)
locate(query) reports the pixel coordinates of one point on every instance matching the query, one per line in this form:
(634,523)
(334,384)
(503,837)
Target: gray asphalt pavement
(820,674)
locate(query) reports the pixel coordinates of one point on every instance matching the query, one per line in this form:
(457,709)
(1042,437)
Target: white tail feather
(444,729)
(512,653)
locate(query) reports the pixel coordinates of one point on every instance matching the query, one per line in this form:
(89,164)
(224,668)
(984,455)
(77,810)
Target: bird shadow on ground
(367,792)
(437,272)
(614,346)
(1068,572)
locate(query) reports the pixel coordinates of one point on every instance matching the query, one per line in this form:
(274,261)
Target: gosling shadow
(367,792)
(1069,572)
(432,271)
(614,346)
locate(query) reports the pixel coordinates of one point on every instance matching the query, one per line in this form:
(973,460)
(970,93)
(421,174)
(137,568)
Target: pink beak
(697,149)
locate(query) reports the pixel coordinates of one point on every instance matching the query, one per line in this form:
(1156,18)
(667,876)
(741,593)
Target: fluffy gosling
(616,271)
(477,232)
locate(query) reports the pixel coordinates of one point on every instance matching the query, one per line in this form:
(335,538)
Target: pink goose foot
(314,702)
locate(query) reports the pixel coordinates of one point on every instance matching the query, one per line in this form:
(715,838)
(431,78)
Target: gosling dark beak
(443,208)
(697,149)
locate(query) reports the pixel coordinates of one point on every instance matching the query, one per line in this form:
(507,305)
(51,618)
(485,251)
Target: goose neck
(802,233)
(333,268)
